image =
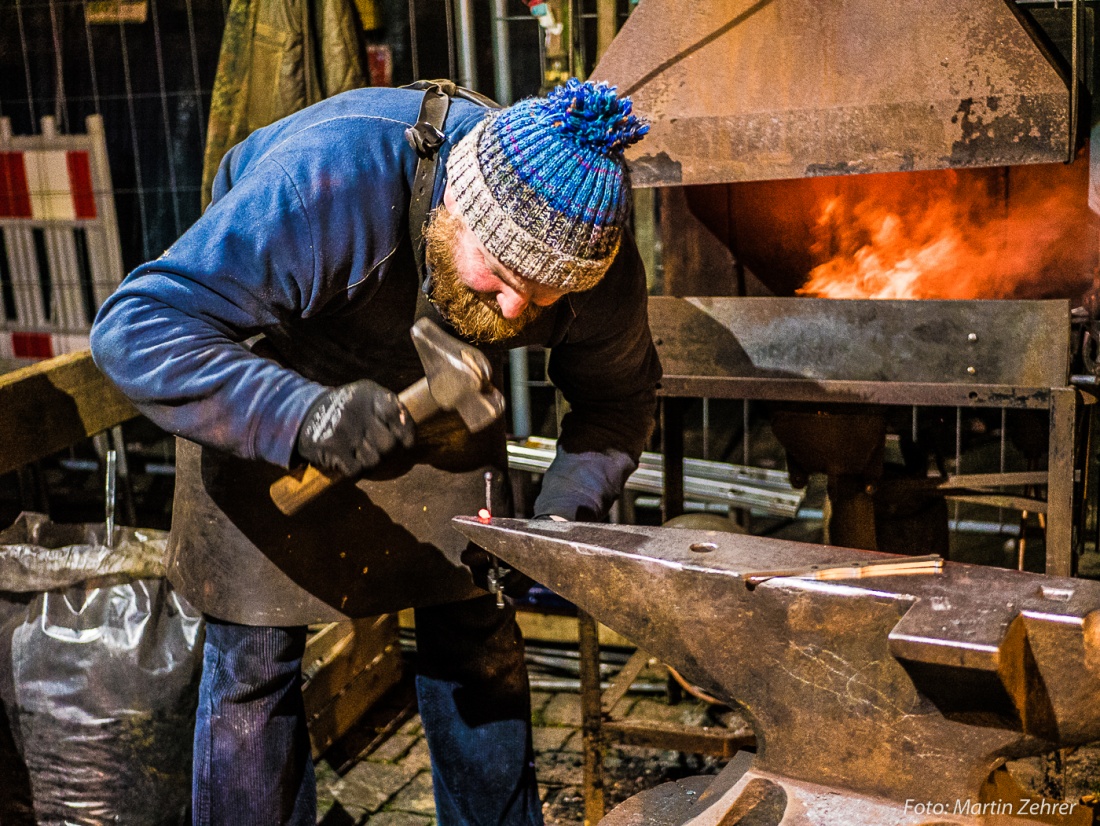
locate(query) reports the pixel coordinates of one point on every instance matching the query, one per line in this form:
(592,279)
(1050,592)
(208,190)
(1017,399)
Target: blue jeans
(252,754)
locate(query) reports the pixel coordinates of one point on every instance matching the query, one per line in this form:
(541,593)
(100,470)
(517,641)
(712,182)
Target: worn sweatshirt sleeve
(607,369)
(171,336)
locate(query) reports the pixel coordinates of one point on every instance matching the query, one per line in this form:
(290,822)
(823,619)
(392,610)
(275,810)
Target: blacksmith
(275,332)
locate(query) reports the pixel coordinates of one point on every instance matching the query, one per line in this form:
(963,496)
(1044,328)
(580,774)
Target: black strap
(426,136)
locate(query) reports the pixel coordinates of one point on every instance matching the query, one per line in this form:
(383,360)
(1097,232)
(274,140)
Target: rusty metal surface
(740,90)
(863,351)
(1021,344)
(716,741)
(860,692)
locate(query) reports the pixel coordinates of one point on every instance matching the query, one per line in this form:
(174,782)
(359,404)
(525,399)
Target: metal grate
(150,82)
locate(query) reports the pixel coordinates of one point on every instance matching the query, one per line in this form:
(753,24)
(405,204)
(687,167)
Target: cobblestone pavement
(392,786)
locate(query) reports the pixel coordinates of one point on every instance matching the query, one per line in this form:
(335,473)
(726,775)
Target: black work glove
(349,429)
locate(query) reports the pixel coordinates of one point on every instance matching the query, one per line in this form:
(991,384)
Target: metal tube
(502,61)
(591,718)
(745,432)
(1059,527)
(566,684)
(128,509)
(464,40)
(413,50)
(607,24)
(706,428)
(570,33)
(109,496)
(1074,84)
(672,438)
(521,393)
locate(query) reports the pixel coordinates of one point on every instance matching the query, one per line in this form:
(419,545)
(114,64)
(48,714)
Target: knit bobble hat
(544,186)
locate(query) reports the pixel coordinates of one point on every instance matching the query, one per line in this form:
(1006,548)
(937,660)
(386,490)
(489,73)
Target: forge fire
(953,235)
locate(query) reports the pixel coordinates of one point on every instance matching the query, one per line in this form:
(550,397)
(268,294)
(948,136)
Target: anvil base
(739,795)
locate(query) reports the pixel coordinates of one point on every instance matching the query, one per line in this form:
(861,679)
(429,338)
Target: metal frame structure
(977,354)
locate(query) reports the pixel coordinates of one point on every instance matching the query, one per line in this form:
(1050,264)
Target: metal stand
(598,727)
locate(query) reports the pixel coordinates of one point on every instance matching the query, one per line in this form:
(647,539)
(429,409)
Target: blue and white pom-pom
(594,115)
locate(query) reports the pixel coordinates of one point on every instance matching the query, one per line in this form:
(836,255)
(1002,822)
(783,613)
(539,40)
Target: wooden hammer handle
(292,492)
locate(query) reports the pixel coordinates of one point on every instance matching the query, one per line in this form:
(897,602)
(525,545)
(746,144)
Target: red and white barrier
(59,247)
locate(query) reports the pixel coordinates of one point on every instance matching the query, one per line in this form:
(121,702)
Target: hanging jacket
(278,56)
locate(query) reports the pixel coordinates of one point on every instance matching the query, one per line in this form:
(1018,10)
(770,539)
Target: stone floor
(391,786)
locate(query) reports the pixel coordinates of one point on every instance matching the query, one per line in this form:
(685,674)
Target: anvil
(879,700)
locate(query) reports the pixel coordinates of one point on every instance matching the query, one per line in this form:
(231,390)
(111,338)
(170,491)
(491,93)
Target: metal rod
(567,684)
(607,24)
(26,59)
(579,38)
(109,491)
(502,82)
(540,41)
(129,512)
(570,33)
(591,718)
(496,581)
(706,428)
(672,436)
(60,106)
(414,52)
(169,144)
(1004,445)
(464,40)
(745,432)
(622,682)
(135,142)
(958,454)
(521,392)
(449,13)
(1059,526)
(1074,83)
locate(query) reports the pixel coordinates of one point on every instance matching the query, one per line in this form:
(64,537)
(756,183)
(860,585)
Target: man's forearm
(195,382)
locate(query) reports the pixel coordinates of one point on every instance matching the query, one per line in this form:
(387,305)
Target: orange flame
(946,242)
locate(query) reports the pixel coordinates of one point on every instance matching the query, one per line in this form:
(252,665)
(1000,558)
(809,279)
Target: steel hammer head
(459,376)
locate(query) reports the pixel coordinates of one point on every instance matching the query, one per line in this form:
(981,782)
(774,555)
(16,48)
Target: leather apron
(375,545)
(361,548)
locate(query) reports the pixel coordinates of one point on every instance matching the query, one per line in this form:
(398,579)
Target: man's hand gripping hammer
(456,377)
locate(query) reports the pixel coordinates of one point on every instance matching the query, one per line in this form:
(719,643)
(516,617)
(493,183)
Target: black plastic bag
(98,677)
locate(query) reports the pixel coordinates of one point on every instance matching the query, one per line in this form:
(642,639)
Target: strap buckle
(424,138)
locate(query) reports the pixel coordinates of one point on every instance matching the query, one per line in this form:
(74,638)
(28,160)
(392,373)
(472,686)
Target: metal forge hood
(743,91)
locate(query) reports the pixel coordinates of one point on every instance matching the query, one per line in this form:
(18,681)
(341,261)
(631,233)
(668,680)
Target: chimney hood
(738,90)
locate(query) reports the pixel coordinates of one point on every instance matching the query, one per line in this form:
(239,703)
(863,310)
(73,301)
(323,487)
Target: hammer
(456,377)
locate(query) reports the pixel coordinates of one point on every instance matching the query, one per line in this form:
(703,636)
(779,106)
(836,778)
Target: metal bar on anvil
(960,667)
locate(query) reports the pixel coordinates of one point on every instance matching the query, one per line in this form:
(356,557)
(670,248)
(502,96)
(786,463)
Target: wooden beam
(51,405)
